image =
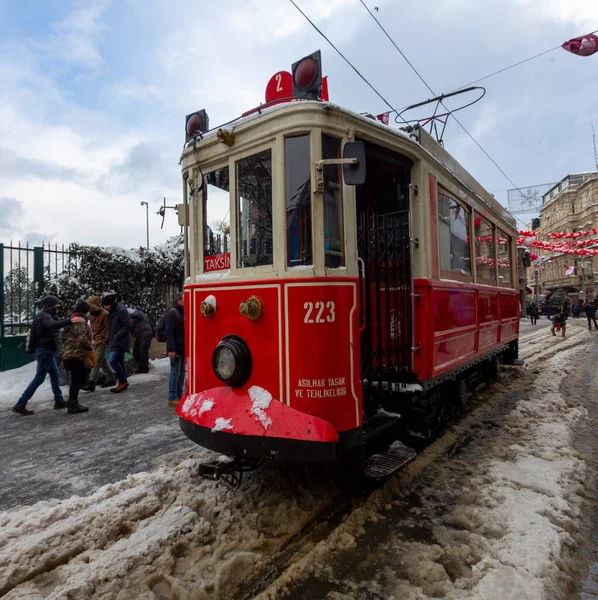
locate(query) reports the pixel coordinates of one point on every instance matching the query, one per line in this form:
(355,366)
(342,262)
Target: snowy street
(108,505)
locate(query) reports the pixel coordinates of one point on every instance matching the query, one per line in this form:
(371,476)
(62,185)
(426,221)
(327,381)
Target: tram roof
(423,140)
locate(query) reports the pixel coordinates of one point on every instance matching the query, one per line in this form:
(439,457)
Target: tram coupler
(230,472)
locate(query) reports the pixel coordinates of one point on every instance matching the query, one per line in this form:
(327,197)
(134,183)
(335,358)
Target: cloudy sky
(93,93)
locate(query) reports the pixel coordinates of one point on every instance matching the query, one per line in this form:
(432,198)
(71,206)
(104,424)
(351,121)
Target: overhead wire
(344,57)
(433,92)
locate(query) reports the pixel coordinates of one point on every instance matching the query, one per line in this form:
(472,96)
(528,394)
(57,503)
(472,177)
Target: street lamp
(146,220)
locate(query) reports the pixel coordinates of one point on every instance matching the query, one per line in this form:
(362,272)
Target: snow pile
(260,399)
(207,406)
(211,300)
(165,534)
(221,424)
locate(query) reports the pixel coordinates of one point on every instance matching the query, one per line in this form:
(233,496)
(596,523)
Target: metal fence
(23,271)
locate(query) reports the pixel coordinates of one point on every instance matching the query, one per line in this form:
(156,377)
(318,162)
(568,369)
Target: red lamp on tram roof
(196,122)
(307,77)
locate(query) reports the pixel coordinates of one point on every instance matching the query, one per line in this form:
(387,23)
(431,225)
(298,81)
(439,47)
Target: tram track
(487,411)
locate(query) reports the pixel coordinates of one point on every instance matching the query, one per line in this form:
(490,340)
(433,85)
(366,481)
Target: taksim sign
(216,262)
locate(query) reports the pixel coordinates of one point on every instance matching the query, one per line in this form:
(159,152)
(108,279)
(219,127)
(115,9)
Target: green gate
(23,271)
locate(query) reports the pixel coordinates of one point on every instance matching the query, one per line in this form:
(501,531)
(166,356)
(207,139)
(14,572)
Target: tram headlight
(231,361)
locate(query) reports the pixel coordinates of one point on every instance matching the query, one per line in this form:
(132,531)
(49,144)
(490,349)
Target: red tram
(327,312)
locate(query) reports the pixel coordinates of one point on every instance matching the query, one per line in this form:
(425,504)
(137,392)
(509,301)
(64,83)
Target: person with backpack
(174,335)
(143,334)
(42,340)
(120,338)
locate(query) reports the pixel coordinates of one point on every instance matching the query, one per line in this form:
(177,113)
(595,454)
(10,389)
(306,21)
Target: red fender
(252,412)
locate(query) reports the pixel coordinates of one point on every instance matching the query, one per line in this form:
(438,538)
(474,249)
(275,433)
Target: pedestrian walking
(76,341)
(100,335)
(43,339)
(120,338)
(575,311)
(534,313)
(141,330)
(559,321)
(174,332)
(591,315)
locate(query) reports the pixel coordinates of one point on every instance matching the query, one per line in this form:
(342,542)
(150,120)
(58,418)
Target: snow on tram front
(303,339)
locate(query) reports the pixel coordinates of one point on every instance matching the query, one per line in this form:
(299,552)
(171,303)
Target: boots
(89,386)
(121,387)
(108,383)
(73,407)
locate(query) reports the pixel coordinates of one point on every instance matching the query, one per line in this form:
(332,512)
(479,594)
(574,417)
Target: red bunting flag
(383,117)
(586,45)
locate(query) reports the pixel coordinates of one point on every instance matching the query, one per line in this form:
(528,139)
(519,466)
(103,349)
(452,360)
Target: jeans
(46,364)
(590,319)
(177,377)
(117,362)
(101,363)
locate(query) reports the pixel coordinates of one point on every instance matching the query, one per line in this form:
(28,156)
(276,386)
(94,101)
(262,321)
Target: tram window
(216,206)
(453,236)
(334,242)
(254,209)
(298,200)
(504,259)
(484,250)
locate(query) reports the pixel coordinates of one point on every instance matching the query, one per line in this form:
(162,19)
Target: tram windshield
(254,210)
(216,198)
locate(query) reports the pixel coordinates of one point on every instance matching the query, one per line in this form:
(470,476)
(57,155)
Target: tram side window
(216,206)
(453,236)
(484,250)
(298,200)
(334,242)
(254,210)
(504,259)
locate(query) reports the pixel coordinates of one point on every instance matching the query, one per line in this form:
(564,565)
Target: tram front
(272,286)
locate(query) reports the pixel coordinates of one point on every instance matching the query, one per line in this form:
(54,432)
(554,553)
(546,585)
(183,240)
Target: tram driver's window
(334,242)
(453,236)
(503,243)
(298,200)
(216,207)
(484,250)
(254,210)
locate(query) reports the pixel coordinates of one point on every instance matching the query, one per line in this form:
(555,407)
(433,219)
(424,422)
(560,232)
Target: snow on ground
(500,518)
(496,521)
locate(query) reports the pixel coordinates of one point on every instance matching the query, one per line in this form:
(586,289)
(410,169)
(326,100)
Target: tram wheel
(495,368)
(463,394)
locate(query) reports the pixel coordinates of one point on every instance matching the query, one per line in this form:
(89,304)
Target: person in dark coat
(120,339)
(76,340)
(141,330)
(591,315)
(43,338)
(534,313)
(174,332)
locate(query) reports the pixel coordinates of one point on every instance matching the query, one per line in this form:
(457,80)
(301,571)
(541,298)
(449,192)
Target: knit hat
(81,307)
(109,299)
(49,302)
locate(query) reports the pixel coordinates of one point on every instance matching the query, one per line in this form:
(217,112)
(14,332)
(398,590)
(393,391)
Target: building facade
(571,205)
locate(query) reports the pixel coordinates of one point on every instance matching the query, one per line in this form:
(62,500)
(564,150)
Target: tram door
(383,239)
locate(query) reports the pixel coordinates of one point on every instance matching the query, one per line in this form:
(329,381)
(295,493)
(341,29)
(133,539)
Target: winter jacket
(100,321)
(140,325)
(44,330)
(174,330)
(76,338)
(590,312)
(120,328)
(560,317)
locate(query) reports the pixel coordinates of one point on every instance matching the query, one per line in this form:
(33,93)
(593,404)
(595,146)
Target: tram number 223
(320,312)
